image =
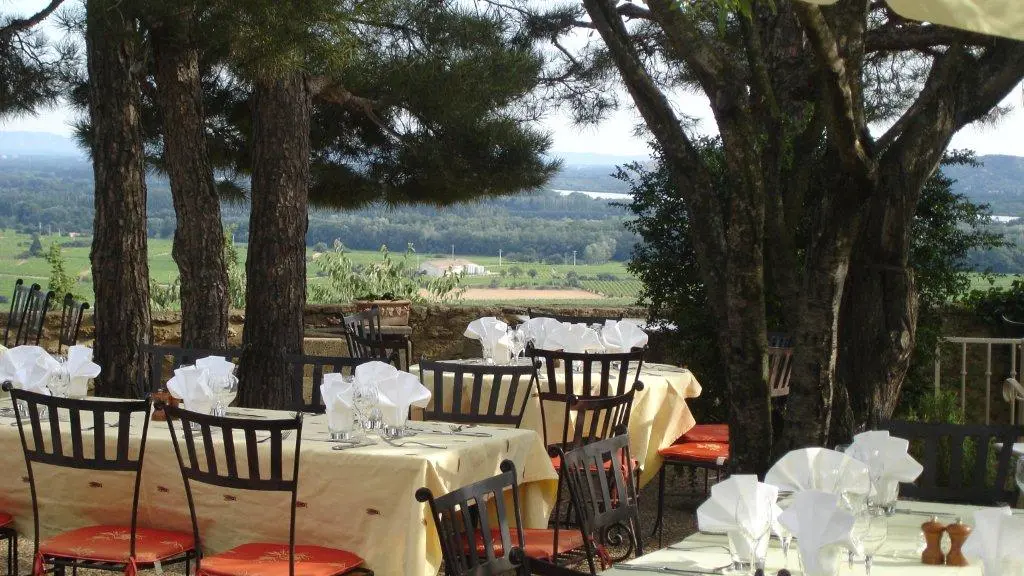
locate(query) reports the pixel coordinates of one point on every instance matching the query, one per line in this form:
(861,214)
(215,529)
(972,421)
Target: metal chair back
(54,446)
(959,461)
(588,419)
(172,357)
(615,374)
(33,319)
(317,366)
(497,394)
(19,300)
(246,469)
(70,322)
(600,479)
(467,528)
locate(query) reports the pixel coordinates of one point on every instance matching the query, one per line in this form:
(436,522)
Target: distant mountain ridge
(38,144)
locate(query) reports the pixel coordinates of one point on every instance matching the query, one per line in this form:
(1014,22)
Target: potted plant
(391,284)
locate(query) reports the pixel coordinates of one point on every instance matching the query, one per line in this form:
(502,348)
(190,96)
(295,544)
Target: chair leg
(659,519)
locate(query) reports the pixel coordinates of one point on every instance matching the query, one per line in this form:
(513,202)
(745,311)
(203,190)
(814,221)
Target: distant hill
(999,182)
(38,144)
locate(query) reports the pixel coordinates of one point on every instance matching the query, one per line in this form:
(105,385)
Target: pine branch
(21,24)
(923,37)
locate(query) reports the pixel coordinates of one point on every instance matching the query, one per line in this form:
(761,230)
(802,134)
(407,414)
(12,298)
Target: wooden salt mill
(958,532)
(933,542)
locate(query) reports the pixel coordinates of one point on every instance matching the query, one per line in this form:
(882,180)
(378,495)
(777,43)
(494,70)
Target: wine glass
(59,382)
(225,389)
(873,538)
(518,342)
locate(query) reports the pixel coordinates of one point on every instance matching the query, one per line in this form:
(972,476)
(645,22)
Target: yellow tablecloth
(659,415)
(899,556)
(360,499)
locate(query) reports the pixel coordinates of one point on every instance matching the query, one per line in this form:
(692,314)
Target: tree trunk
(878,322)
(199,235)
(119,268)
(276,264)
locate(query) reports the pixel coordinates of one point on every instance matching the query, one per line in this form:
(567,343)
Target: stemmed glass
(856,504)
(365,398)
(755,526)
(518,342)
(225,389)
(873,538)
(59,382)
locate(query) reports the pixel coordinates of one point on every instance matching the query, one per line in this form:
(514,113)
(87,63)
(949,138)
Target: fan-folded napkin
(397,390)
(573,338)
(817,521)
(81,368)
(819,469)
(537,330)
(886,458)
(216,366)
(739,502)
(996,539)
(28,368)
(191,385)
(623,335)
(337,396)
(493,334)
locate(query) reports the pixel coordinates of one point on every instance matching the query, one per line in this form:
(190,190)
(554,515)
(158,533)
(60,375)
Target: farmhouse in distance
(456,265)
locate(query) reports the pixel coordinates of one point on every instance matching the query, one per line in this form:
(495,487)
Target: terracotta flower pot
(392,312)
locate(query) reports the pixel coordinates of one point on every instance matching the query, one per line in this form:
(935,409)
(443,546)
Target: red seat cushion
(5,519)
(706,433)
(697,452)
(540,542)
(272,560)
(112,544)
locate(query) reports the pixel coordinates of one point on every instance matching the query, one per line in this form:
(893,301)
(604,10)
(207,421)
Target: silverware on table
(245,415)
(681,548)
(661,569)
(284,436)
(452,432)
(346,446)
(404,443)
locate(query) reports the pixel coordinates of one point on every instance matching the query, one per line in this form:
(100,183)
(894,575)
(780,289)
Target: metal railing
(1016,348)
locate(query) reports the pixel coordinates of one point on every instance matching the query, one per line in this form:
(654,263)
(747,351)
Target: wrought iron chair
(497,394)
(19,300)
(317,367)
(200,464)
(965,479)
(172,357)
(600,480)
(366,340)
(33,317)
(469,543)
(70,322)
(571,319)
(10,535)
(616,374)
(111,548)
(366,324)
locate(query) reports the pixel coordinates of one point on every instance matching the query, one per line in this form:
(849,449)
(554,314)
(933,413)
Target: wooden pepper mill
(933,542)
(958,532)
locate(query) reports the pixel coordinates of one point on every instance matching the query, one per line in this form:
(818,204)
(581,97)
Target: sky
(617,135)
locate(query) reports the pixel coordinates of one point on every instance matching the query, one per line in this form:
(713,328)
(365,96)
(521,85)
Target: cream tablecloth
(899,556)
(359,499)
(659,415)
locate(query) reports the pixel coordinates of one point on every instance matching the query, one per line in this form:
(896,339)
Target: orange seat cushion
(706,433)
(272,560)
(5,519)
(696,451)
(112,544)
(540,542)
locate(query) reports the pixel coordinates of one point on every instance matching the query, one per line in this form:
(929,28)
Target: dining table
(659,415)
(704,553)
(359,498)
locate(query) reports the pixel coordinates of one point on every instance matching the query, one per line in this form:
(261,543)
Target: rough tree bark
(276,263)
(199,236)
(120,270)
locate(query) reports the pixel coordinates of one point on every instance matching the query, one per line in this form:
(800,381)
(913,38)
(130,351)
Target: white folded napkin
(623,335)
(886,458)
(191,385)
(573,338)
(819,469)
(28,368)
(81,368)
(398,390)
(491,333)
(996,540)
(217,366)
(739,502)
(537,330)
(817,521)
(337,396)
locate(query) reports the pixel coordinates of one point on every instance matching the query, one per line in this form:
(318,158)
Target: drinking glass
(755,526)
(225,389)
(873,538)
(518,340)
(488,352)
(739,552)
(59,382)
(364,399)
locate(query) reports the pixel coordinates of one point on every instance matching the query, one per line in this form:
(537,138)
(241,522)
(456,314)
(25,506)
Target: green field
(982,282)
(618,286)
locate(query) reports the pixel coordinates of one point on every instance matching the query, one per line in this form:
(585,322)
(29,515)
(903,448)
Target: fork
(284,436)
(394,444)
(660,569)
